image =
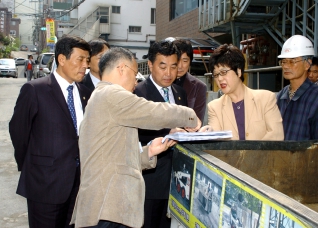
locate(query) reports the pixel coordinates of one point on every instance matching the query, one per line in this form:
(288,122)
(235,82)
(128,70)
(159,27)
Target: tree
(8,44)
(4,40)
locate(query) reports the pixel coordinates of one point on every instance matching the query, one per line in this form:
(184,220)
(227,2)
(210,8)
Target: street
(13,209)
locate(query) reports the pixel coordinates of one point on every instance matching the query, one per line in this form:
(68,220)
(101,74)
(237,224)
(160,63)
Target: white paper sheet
(196,136)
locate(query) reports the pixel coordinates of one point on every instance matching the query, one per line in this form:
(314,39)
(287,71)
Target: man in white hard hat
(298,102)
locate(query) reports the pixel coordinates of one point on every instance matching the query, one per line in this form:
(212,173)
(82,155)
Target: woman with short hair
(249,114)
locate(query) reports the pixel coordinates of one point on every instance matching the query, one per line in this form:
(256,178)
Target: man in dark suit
(162,61)
(44,133)
(195,89)
(98,48)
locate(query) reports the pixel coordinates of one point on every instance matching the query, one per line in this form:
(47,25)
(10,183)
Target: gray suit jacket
(112,187)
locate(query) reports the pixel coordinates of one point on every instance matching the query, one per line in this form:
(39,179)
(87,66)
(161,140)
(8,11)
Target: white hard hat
(297,46)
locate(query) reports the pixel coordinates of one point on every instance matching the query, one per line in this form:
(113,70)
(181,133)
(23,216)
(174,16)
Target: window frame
(174,4)
(153,16)
(116,9)
(133,27)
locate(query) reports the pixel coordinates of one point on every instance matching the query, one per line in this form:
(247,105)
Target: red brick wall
(186,25)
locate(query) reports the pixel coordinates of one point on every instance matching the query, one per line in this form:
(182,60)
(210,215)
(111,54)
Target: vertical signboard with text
(50,33)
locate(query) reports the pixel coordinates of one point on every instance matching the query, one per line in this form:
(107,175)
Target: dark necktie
(166,94)
(70,104)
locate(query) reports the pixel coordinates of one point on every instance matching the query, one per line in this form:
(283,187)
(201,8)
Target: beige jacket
(112,187)
(263,120)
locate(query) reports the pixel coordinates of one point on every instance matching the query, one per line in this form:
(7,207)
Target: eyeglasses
(288,62)
(136,73)
(222,73)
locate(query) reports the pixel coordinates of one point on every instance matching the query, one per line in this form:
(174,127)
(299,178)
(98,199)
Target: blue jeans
(29,74)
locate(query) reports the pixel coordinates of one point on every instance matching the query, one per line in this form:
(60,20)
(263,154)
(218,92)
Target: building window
(116,9)
(135,29)
(104,14)
(180,7)
(153,16)
(61,16)
(13,32)
(12,22)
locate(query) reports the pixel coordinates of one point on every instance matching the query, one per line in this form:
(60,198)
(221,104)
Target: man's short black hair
(165,48)
(66,44)
(314,61)
(97,46)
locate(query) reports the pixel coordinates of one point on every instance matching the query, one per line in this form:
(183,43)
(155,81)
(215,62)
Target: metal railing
(280,20)
(296,17)
(260,70)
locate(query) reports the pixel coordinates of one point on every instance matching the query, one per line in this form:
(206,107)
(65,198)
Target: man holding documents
(163,63)
(112,189)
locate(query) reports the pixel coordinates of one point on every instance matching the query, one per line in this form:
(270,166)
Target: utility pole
(38,10)
(39,48)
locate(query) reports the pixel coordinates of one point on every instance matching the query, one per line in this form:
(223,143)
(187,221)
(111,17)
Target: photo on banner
(274,218)
(245,209)
(181,181)
(207,196)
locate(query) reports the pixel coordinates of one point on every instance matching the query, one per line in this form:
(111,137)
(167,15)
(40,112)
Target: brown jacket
(263,120)
(112,187)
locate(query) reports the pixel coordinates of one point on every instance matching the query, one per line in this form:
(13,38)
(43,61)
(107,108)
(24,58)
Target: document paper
(196,136)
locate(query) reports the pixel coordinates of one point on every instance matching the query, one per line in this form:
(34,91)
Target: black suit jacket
(196,94)
(45,142)
(87,81)
(157,180)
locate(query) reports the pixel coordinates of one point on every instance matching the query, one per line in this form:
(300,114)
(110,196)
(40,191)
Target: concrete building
(15,27)
(178,18)
(130,24)
(9,23)
(28,12)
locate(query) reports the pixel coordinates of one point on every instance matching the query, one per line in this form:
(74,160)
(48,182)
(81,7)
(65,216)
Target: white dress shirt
(77,100)
(94,79)
(171,97)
